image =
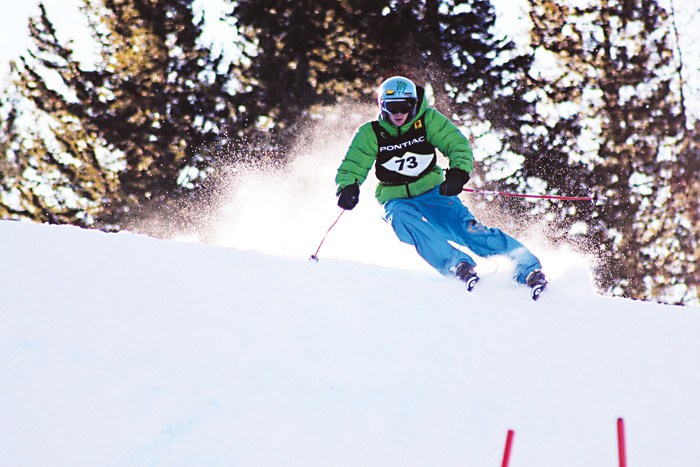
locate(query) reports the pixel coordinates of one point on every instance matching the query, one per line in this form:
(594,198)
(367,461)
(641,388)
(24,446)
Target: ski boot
(537,283)
(465,272)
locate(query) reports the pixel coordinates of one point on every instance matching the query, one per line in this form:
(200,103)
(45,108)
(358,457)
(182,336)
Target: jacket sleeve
(359,158)
(444,135)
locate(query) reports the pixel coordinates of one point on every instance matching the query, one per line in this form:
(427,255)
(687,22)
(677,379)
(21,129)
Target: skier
(420,200)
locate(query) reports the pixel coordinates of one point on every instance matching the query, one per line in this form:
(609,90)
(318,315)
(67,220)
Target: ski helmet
(397,95)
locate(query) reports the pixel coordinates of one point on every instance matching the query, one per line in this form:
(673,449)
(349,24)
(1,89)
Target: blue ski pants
(430,221)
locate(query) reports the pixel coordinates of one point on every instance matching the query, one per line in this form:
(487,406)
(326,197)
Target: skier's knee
(474,227)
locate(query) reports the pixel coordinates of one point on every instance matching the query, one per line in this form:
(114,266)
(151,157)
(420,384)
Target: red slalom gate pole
(506,451)
(621,442)
(524,195)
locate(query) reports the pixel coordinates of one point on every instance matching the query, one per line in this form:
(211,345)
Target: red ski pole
(621,442)
(506,451)
(524,195)
(314,257)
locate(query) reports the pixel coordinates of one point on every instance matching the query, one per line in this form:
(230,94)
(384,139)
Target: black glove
(349,196)
(455,179)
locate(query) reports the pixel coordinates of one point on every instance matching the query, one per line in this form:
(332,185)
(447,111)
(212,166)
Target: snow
(124,350)
(120,349)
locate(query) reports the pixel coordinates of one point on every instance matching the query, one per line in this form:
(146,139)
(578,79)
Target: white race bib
(410,164)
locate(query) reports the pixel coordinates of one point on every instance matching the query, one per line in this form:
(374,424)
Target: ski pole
(524,195)
(314,257)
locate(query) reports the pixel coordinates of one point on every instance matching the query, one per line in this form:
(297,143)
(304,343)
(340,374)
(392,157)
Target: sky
(123,350)
(70,25)
(14,29)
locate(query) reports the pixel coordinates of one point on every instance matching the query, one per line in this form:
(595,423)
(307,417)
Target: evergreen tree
(614,118)
(9,139)
(299,55)
(310,53)
(137,125)
(36,170)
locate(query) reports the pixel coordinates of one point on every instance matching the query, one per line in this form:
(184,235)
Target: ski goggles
(399,106)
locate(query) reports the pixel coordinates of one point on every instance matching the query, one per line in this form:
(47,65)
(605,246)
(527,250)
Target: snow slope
(123,350)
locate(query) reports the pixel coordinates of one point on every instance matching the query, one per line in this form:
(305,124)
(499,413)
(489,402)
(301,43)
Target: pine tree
(138,125)
(33,176)
(9,138)
(615,118)
(310,53)
(299,55)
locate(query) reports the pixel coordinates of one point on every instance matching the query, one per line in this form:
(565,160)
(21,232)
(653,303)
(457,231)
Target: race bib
(410,164)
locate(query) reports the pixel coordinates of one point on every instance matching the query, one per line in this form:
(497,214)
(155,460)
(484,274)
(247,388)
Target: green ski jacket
(438,131)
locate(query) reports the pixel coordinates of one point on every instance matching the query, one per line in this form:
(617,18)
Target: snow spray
(280,210)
